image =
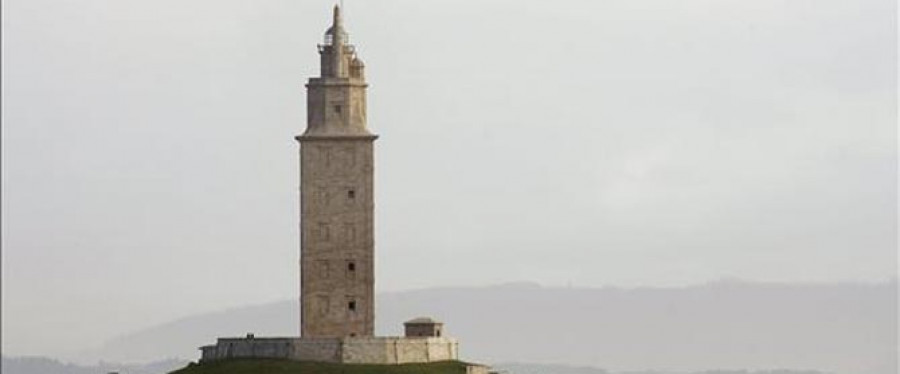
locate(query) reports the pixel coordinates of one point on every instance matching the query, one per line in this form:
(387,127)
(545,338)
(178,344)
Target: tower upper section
(337,245)
(339,58)
(336,99)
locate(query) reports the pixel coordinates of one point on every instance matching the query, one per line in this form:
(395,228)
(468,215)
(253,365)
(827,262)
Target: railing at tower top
(348,48)
(329,38)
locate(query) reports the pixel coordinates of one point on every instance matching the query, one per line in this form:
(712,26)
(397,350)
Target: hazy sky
(149,168)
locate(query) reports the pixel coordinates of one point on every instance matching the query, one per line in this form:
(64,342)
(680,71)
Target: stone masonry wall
(397,350)
(324,350)
(357,350)
(249,347)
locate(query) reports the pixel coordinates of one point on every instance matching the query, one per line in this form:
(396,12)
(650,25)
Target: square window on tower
(351,270)
(351,306)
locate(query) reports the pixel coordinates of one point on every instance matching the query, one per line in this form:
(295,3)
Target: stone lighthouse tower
(336,197)
(337,268)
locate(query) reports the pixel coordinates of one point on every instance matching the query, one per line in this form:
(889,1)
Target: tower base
(348,350)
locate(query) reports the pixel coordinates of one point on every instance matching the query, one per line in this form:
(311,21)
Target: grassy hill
(264,366)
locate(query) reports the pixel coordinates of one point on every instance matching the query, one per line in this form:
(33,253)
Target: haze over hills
(43,365)
(841,328)
(149,168)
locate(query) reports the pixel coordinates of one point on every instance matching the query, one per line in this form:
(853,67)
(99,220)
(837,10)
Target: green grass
(266,366)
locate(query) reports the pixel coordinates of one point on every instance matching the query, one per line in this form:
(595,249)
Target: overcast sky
(149,169)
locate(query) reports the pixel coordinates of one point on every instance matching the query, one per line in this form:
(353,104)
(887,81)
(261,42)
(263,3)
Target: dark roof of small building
(423,321)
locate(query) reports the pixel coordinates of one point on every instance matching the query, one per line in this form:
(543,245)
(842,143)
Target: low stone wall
(357,350)
(324,350)
(248,347)
(478,369)
(397,350)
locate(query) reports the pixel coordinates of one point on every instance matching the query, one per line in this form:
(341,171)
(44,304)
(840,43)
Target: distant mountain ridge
(841,328)
(44,365)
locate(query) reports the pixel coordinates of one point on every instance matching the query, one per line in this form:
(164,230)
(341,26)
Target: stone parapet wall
(248,347)
(478,369)
(398,350)
(317,349)
(355,350)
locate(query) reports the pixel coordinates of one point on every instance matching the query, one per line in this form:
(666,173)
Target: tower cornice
(338,82)
(307,138)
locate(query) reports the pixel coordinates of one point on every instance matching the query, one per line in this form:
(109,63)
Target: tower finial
(337,39)
(337,27)
(338,22)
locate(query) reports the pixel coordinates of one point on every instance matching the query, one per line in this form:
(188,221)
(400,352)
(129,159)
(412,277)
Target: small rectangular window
(351,306)
(351,266)
(337,109)
(351,194)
